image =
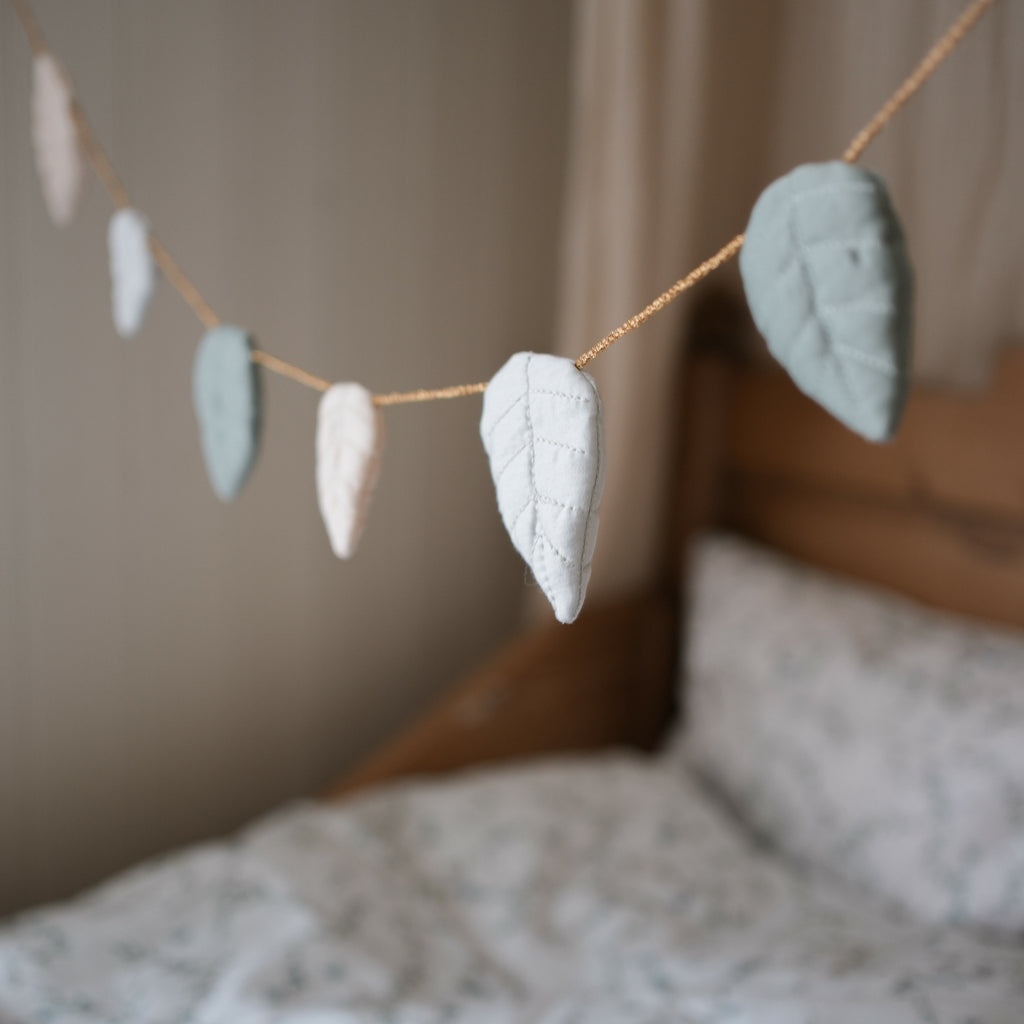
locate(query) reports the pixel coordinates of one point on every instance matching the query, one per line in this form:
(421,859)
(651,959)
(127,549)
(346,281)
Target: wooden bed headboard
(937,514)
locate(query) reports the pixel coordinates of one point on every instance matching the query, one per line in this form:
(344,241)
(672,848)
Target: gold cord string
(935,56)
(36,41)
(430,394)
(182,283)
(97,158)
(275,365)
(723,255)
(194,298)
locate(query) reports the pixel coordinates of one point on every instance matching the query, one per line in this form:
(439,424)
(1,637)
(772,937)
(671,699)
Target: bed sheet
(599,890)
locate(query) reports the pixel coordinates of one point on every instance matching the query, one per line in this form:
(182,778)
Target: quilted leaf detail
(55,139)
(349,438)
(542,430)
(132,270)
(226,395)
(830,287)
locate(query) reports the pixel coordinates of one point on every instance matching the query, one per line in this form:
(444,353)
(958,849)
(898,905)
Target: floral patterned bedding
(861,733)
(598,890)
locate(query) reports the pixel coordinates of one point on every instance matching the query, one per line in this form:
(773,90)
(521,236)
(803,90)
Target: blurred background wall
(374,189)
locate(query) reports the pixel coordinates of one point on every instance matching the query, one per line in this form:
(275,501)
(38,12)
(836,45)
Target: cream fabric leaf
(132,270)
(543,433)
(58,156)
(349,440)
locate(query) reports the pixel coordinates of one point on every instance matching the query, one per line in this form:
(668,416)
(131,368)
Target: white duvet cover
(594,890)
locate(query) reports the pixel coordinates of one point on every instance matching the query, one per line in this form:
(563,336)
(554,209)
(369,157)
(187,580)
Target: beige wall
(373,188)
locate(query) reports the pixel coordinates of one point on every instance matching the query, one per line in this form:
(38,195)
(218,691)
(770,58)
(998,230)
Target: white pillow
(861,732)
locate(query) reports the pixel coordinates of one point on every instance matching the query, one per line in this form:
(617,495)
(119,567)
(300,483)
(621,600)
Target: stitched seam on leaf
(551,546)
(494,425)
(518,516)
(833,307)
(792,262)
(562,394)
(846,243)
(560,504)
(593,490)
(534,561)
(820,312)
(508,462)
(875,362)
(805,271)
(561,444)
(844,187)
(861,302)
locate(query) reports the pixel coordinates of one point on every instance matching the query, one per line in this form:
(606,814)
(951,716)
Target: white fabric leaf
(132,270)
(349,439)
(542,428)
(58,156)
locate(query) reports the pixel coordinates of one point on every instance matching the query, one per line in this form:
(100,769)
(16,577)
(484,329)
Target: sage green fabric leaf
(226,396)
(830,287)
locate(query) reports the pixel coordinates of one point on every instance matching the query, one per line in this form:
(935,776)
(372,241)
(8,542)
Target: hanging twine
(936,55)
(115,188)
